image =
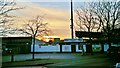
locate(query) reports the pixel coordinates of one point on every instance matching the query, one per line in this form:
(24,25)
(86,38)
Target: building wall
(15,45)
(96,47)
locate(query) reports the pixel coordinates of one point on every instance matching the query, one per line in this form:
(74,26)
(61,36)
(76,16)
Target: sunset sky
(56,13)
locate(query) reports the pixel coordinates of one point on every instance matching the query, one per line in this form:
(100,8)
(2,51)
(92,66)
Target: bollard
(12,56)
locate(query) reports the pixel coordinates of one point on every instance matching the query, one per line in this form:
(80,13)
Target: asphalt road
(21,57)
(56,60)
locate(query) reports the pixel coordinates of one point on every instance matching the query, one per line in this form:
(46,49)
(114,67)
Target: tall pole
(71,26)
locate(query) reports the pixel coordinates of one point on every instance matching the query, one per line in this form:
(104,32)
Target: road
(21,57)
(60,59)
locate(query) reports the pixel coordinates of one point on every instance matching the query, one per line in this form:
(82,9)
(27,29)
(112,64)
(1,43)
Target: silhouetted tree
(5,18)
(86,20)
(108,14)
(35,27)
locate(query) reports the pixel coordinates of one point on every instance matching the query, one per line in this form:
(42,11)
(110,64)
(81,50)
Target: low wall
(48,48)
(65,48)
(56,48)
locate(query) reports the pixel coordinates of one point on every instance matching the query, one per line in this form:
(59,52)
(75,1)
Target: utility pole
(71,26)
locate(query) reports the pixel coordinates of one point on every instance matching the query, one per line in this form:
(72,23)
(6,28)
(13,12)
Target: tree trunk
(33,56)
(90,41)
(102,46)
(109,42)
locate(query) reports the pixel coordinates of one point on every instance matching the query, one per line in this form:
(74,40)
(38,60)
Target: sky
(56,13)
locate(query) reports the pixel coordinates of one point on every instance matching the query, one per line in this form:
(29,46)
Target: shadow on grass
(26,63)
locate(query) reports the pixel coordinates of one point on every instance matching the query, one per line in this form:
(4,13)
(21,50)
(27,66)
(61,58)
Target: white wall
(48,48)
(84,46)
(66,48)
(106,46)
(77,49)
(56,48)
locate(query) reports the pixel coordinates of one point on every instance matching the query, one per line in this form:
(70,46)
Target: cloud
(58,19)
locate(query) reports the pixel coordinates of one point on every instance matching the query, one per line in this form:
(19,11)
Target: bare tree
(86,19)
(108,14)
(35,27)
(5,18)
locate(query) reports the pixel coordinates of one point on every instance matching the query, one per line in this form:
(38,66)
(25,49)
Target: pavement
(96,60)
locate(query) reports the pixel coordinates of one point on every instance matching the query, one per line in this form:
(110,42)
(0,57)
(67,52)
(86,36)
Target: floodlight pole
(71,26)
